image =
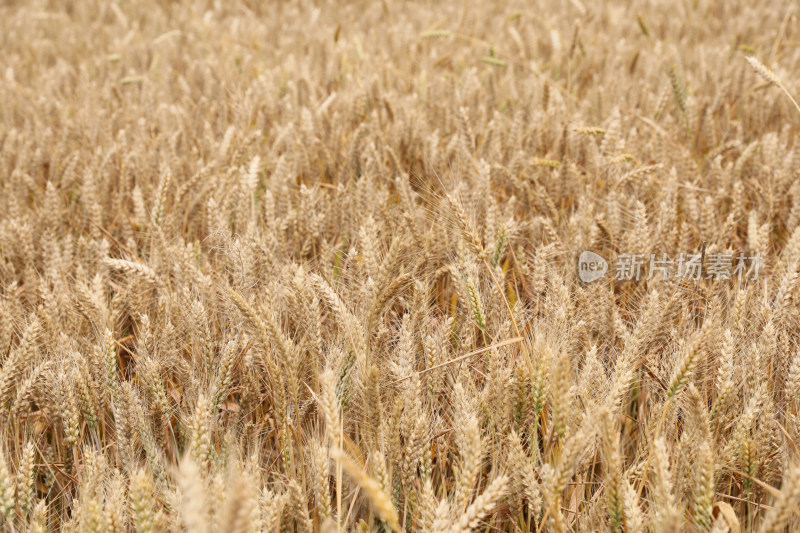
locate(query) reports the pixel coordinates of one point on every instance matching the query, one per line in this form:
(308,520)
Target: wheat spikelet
(613,488)
(703,490)
(192,500)
(683,371)
(25,482)
(133,268)
(482,506)
(763,71)
(141,501)
(7,498)
(785,503)
(770,76)
(372,489)
(38,523)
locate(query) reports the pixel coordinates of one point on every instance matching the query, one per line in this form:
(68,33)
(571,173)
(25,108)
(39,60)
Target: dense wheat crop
(315,267)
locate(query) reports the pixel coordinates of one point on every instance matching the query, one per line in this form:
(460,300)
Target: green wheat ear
(678,89)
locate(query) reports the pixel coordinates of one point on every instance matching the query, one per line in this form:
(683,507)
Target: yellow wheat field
(319,266)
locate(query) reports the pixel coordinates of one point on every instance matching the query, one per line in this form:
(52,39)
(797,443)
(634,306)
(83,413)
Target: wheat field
(318,267)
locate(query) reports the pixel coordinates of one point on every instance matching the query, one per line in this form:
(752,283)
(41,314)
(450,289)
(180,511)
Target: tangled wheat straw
(312,266)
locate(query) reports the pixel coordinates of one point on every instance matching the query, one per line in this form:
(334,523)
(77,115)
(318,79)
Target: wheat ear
(771,77)
(372,489)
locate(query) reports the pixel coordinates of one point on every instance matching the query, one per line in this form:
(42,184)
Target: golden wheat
(313,267)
